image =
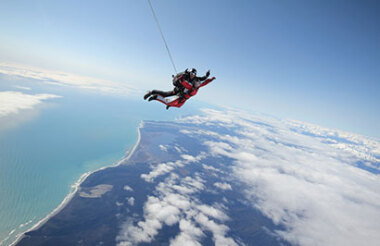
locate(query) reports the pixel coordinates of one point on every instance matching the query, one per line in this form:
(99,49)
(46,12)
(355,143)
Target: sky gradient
(315,61)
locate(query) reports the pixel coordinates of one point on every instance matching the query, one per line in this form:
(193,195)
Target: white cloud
(60,78)
(12,102)
(177,206)
(223,186)
(191,158)
(362,147)
(164,168)
(128,188)
(131,201)
(213,212)
(218,230)
(163,147)
(301,176)
(156,213)
(189,235)
(160,169)
(178,149)
(22,87)
(211,168)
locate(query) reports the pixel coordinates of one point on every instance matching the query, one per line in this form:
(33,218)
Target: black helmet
(193,71)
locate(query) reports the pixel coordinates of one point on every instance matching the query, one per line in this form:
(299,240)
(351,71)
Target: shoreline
(75,187)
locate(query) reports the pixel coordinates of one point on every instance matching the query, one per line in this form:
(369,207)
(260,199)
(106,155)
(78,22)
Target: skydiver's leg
(163,93)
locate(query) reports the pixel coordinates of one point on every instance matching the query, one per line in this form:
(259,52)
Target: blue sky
(316,61)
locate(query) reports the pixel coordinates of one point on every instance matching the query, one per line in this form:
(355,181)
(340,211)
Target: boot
(148,93)
(154,97)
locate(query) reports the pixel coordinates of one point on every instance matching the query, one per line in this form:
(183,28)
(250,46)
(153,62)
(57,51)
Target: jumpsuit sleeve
(202,78)
(207,81)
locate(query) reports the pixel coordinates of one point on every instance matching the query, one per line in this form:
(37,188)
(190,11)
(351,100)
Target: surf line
(75,188)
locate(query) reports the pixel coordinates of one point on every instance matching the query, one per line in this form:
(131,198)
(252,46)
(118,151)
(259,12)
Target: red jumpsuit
(190,90)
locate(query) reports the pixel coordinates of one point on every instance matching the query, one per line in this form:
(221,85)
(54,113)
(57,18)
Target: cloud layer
(11,102)
(66,79)
(319,184)
(175,201)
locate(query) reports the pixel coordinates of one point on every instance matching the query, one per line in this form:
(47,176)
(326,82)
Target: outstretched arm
(207,81)
(204,77)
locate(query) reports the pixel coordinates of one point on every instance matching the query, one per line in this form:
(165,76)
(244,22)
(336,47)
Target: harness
(183,92)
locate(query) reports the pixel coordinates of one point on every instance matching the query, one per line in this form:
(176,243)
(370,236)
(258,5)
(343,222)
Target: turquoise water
(43,154)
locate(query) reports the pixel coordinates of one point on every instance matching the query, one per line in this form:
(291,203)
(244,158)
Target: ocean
(48,148)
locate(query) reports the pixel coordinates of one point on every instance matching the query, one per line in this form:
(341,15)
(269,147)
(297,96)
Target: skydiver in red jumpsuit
(186,85)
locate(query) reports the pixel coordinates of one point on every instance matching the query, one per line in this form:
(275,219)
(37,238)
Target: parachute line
(162,35)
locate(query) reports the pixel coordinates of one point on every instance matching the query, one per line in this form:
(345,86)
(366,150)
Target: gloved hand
(213,78)
(208,73)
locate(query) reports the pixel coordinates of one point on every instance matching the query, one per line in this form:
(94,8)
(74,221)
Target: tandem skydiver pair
(186,85)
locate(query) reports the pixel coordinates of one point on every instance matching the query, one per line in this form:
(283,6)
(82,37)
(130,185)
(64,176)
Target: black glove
(208,73)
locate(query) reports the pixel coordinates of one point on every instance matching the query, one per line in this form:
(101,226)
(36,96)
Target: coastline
(75,187)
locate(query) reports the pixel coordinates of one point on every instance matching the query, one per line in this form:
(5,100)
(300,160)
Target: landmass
(226,178)
(95,192)
(168,191)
